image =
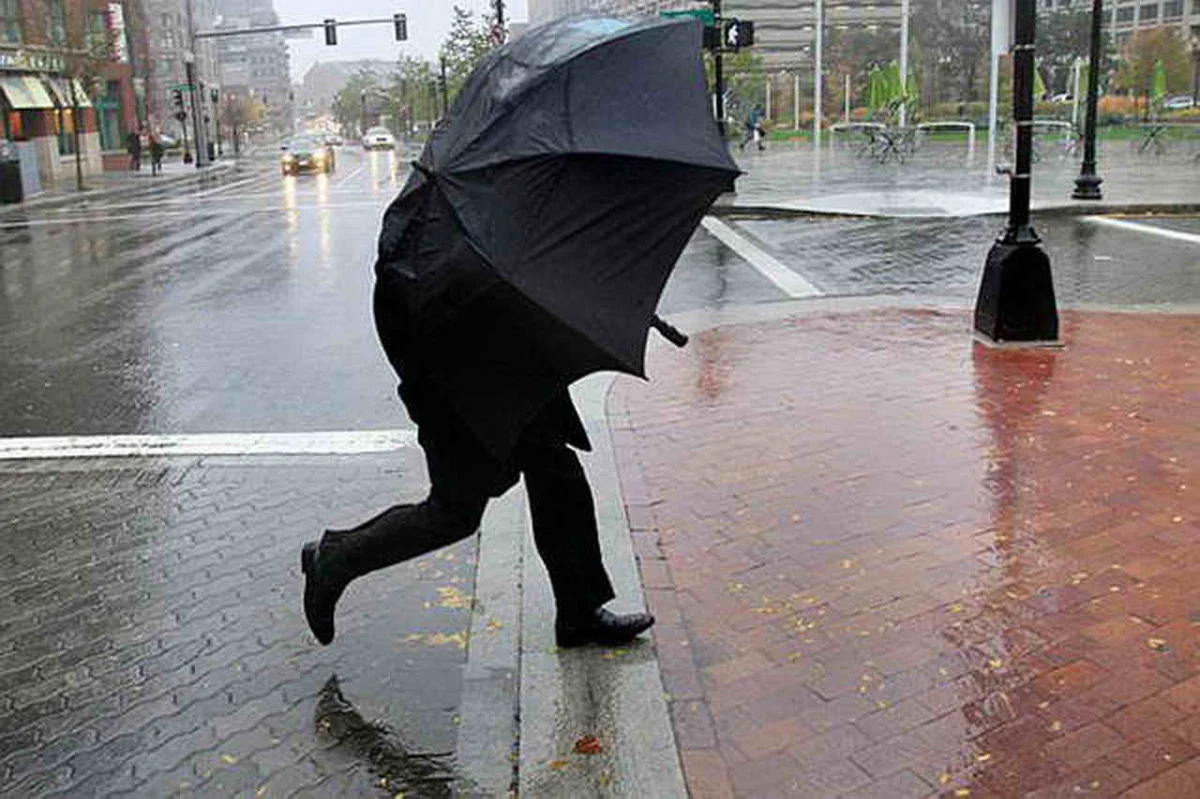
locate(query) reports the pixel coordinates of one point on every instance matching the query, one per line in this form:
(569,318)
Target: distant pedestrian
(156,155)
(754,130)
(134,145)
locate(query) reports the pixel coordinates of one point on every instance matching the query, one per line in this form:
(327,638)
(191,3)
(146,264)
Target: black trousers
(464,476)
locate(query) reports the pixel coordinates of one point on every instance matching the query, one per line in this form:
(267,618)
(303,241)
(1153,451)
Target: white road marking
(346,179)
(102,218)
(1124,224)
(340,442)
(771,268)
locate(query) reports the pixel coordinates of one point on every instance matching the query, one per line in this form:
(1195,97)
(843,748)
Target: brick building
(69,66)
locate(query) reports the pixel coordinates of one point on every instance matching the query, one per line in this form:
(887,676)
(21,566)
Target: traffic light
(737,33)
(177,97)
(400,22)
(213,95)
(331,31)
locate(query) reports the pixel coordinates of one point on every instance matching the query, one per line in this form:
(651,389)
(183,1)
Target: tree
(1063,35)
(855,52)
(468,42)
(958,31)
(348,109)
(1135,73)
(238,113)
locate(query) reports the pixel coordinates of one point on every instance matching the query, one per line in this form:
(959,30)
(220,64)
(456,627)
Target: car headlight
(318,157)
(289,158)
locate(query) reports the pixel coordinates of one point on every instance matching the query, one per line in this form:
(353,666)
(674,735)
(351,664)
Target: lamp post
(1016,296)
(1195,71)
(1087,185)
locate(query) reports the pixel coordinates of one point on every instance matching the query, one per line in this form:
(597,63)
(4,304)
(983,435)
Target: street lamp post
(1195,71)
(1016,296)
(1087,185)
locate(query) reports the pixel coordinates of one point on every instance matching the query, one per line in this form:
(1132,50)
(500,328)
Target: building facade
(70,73)
(171,46)
(255,66)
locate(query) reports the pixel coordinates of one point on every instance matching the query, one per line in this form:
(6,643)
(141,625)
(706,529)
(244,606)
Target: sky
(428,24)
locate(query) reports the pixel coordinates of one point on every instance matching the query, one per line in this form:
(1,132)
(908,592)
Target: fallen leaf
(735,587)
(1055,726)
(956,608)
(983,758)
(944,778)
(558,765)
(588,745)
(1157,644)
(962,792)
(995,663)
(230,759)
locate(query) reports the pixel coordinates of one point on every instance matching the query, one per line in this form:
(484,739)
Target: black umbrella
(543,219)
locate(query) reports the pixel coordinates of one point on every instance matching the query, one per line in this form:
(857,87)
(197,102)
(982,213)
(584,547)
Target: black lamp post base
(1016,298)
(1087,187)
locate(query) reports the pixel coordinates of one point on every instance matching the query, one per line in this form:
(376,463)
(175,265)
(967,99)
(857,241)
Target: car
(1062,98)
(1179,102)
(306,154)
(378,138)
(333,139)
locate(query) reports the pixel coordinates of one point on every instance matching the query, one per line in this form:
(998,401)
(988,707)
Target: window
(108,112)
(98,30)
(64,119)
(56,21)
(10,20)
(1148,11)
(1125,14)
(1173,8)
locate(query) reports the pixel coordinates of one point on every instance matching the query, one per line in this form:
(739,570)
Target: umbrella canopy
(543,218)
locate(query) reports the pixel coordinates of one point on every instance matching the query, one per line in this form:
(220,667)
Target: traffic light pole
(193,90)
(718,75)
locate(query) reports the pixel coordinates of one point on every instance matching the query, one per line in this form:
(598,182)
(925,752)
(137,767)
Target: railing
(952,124)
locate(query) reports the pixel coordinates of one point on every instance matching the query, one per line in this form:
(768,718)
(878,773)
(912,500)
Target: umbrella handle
(669,332)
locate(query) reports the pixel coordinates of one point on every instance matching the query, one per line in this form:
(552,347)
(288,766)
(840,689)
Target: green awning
(24,91)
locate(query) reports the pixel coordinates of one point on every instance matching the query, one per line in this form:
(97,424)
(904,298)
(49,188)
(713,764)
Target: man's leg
(400,533)
(564,530)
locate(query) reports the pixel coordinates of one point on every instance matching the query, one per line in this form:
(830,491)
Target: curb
(200,176)
(766,211)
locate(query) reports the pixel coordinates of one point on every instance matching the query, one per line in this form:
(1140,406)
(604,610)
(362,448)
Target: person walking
(156,155)
(464,476)
(134,146)
(754,131)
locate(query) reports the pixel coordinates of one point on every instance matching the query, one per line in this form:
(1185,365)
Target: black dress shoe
(321,592)
(601,627)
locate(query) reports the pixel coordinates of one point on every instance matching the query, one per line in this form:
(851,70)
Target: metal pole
(817,67)
(445,88)
(718,76)
(1078,68)
(1019,230)
(904,62)
(796,101)
(768,84)
(846,97)
(190,70)
(1087,185)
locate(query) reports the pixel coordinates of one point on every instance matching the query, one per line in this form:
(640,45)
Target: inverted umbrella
(544,216)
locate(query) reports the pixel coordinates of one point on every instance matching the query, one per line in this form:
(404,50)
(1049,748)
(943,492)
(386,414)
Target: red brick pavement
(890,562)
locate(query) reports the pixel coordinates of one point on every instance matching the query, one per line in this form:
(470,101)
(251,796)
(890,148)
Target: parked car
(306,154)
(378,138)
(1178,102)
(1062,98)
(333,139)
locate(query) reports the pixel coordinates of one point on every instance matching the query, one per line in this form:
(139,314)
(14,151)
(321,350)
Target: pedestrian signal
(738,33)
(400,22)
(330,31)
(177,97)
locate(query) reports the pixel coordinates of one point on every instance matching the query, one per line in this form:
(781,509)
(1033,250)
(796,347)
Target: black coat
(558,419)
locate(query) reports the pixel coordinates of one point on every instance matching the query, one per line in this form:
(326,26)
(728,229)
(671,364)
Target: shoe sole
(308,556)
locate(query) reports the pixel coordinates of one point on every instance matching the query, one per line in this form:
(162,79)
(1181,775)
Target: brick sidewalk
(152,641)
(905,564)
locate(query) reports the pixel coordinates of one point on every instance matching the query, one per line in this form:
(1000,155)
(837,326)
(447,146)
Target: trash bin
(10,174)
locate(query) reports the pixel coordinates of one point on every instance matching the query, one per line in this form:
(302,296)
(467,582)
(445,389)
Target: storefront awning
(24,91)
(60,89)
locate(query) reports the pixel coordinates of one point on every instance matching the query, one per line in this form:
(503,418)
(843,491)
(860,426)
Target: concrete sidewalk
(944,179)
(115,185)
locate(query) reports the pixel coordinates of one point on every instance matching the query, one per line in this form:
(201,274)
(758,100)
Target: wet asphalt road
(244,307)
(238,308)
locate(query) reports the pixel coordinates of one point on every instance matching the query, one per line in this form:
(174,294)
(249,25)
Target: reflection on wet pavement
(905,564)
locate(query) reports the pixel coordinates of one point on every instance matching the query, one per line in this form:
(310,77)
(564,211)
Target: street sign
(705,15)
(737,33)
(182,87)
